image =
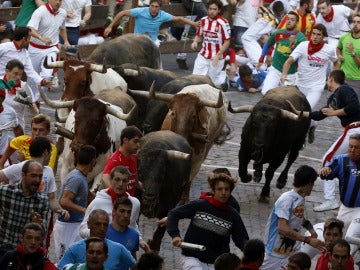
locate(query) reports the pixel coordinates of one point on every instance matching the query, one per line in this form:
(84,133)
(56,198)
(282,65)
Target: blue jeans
(238,32)
(73,34)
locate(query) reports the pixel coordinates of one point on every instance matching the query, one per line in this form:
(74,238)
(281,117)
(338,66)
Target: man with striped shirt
(215,33)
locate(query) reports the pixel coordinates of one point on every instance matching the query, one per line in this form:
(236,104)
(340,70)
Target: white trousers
(64,235)
(203,66)
(191,263)
(37,57)
(272,80)
(353,234)
(335,149)
(251,36)
(272,262)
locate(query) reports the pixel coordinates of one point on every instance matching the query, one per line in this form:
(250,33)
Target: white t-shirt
(339,24)
(47,24)
(6,135)
(13,173)
(245,14)
(75,7)
(311,70)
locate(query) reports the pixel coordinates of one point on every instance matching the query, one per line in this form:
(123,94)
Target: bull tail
(224,135)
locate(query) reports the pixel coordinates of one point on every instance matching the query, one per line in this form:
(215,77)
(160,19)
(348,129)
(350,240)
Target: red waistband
(41,46)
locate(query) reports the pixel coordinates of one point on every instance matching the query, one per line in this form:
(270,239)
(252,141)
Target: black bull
(164,166)
(271,132)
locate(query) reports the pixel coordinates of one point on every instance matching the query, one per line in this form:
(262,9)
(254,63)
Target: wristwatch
(353,54)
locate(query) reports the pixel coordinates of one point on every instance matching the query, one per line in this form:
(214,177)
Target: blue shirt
(118,256)
(145,23)
(349,184)
(256,82)
(129,238)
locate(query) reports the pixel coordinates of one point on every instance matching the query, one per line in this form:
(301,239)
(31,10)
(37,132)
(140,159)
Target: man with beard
(348,50)
(285,40)
(306,20)
(20,204)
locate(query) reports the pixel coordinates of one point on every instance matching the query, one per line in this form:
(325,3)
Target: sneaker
(326,205)
(182,64)
(311,134)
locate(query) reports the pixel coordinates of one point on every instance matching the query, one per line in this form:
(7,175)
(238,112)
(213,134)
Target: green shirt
(284,47)
(27,9)
(350,68)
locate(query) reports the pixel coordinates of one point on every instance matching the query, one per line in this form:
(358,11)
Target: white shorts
(272,262)
(64,235)
(203,66)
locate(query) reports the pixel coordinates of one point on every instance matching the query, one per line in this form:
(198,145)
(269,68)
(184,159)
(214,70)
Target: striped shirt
(214,32)
(15,212)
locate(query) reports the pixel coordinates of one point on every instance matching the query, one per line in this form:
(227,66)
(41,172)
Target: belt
(41,46)
(354,124)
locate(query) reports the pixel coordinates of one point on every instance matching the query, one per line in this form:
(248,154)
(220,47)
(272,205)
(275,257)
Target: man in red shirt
(125,156)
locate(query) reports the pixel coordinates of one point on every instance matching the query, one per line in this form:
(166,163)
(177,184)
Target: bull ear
(240,109)
(177,154)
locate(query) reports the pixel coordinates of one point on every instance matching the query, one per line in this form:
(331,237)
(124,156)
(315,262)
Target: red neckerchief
(114,196)
(330,16)
(313,48)
(17,46)
(40,250)
(214,202)
(250,266)
(12,91)
(50,9)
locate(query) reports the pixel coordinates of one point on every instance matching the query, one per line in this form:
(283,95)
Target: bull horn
(161,96)
(290,115)
(200,137)
(177,154)
(118,113)
(53,64)
(99,68)
(131,72)
(64,132)
(140,93)
(58,118)
(218,104)
(53,103)
(244,108)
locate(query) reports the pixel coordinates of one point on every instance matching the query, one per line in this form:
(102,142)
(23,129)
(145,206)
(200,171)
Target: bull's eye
(83,82)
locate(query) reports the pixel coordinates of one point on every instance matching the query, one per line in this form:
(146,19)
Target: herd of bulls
(181,117)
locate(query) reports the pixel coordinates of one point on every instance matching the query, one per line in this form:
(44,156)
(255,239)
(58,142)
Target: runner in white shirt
(335,19)
(8,126)
(215,32)
(46,23)
(16,49)
(312,57)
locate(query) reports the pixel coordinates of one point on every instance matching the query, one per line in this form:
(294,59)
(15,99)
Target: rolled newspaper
(192,246)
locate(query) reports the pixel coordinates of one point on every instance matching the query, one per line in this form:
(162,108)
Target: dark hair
(254,250)
(86,154)
(97,240)
(120,169)
(38,146)
(294,14)
(221,177)
(323,1)
(20,32)
(301,259)
(42,119)
(278,7)
(244,71)
(33,226)
(222,170)
(218,3)
(149,261)
(338,75)
(303,2)
(227,261)
(340,243)
(129,133)
(321,28)
(27,164)
(14,63)
(331,223)
(157,1)
(304,175)
(122,201)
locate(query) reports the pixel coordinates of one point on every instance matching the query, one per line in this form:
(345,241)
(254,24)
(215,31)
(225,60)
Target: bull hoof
(257,178)
(246,179)
(154,247)
(264,199)
(281,184)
